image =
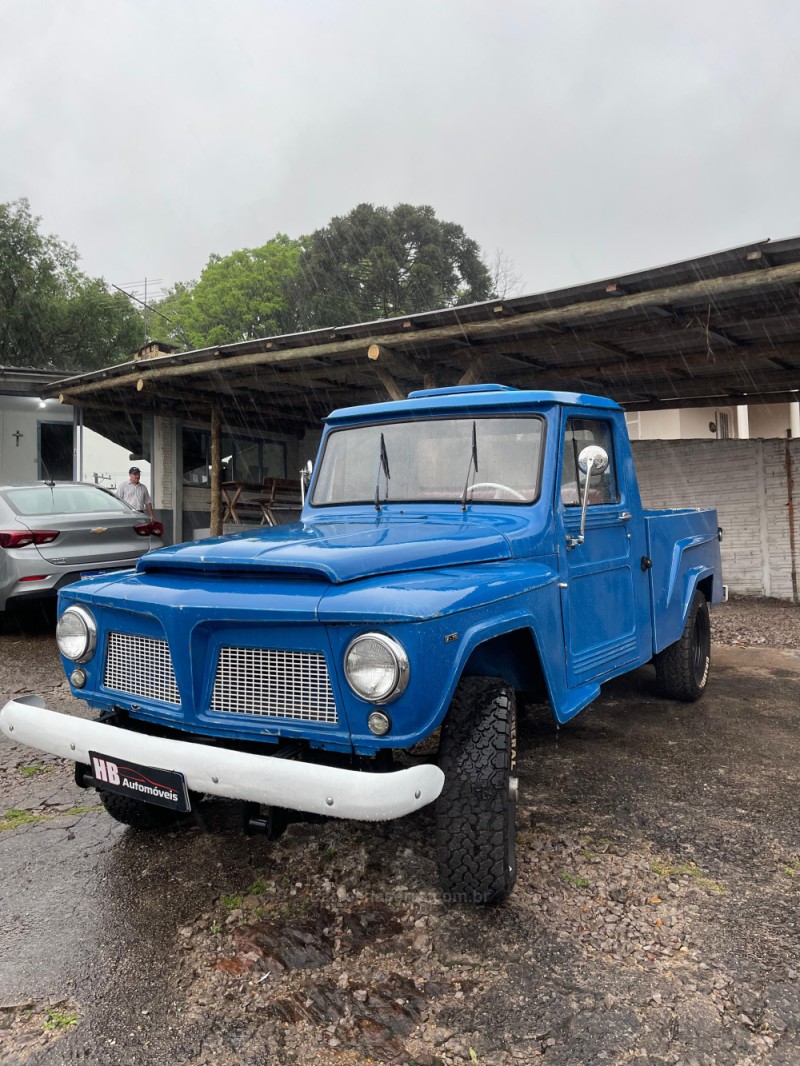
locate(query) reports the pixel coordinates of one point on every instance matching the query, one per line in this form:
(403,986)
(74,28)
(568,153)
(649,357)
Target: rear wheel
(476,811)
(139,815)
(682,668)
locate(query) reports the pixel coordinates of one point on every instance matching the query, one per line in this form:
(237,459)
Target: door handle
(626,516)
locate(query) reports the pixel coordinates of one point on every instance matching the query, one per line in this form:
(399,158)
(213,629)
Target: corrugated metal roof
(721,328)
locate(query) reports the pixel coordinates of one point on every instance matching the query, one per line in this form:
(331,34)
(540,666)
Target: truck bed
(683,547)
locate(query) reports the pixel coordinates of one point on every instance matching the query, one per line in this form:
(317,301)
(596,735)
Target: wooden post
(386,377)
(216,470)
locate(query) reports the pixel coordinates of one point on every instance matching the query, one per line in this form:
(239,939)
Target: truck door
(598,593)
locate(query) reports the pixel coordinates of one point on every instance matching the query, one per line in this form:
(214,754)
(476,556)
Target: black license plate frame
(138,781)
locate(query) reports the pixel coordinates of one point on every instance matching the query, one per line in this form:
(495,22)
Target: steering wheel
(498,487)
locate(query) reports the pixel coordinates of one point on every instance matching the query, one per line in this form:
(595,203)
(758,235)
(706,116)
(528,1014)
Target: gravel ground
(750,622)
(654,919)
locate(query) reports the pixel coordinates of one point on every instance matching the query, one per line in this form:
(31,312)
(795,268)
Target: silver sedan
(54,533)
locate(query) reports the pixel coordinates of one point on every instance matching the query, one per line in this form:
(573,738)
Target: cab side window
(603,487)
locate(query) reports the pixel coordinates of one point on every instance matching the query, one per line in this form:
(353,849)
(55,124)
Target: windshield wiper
(383,465)
(473,462)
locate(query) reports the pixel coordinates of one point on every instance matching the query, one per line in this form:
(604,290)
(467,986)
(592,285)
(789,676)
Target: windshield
(62,499)
(433,459)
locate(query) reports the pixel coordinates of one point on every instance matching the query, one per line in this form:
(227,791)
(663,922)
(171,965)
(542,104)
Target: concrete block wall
(748,483)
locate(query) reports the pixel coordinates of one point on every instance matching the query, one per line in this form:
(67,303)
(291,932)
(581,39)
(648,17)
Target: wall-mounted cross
(17,435)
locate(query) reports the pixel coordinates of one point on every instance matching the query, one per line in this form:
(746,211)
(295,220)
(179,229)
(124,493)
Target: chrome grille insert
(274,683)
(140,666)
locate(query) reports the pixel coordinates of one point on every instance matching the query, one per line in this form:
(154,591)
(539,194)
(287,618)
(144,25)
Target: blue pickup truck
(455,550)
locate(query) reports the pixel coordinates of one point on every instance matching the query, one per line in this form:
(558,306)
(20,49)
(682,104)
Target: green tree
(380,262)
(239,297)
(51,314)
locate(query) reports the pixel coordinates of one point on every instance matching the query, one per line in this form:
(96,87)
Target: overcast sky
(583,139)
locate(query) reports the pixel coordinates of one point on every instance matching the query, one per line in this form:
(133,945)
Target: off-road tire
(682,668)
(139,815)
(476,811)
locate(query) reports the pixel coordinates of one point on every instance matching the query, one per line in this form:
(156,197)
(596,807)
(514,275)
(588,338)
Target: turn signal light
(21,538)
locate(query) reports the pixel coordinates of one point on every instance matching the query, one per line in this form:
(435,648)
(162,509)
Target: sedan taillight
(150,529)
(21,538)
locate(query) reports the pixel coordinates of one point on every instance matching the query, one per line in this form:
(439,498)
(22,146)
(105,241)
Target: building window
(723,425)
(243,458)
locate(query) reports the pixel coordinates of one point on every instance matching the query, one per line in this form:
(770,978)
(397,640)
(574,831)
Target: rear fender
(671,625)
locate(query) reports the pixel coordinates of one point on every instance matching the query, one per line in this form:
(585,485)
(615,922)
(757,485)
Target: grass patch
(571,879)
(258,887)
(58,1019)
(688,869)
(14,817)
(35,768)
(231,903)
(793,868)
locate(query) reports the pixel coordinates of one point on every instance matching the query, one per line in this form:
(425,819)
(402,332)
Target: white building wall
(19,455)
(747,482)
(658,425)
(756,420)
(769,419)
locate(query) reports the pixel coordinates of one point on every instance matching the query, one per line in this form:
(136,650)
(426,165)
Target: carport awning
(721,329)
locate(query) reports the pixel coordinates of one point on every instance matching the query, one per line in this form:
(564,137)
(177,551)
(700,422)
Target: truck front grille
(140,666)
(274,684)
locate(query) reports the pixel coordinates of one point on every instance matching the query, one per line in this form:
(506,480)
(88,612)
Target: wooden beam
(389,382)
(739,385)
(717,400)
(134,408)
(474,372)
(175,395)
(591,342)
(429,376)
(579,314)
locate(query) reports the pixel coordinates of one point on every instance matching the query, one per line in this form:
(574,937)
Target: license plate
(164,788)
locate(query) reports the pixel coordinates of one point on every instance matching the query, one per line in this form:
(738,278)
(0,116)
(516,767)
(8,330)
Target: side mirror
(592,460)
(305,479)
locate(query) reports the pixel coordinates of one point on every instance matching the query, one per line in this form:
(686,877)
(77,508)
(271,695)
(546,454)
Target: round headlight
(76,634)
(376,667)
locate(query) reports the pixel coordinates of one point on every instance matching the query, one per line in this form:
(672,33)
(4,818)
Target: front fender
(440,617)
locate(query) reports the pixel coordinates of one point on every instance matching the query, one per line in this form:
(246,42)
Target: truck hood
(344,551)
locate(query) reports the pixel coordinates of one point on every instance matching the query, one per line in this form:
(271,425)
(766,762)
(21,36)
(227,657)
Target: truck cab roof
(466,398)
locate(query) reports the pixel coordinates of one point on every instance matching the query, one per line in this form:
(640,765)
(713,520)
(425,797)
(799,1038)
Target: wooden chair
(281,494)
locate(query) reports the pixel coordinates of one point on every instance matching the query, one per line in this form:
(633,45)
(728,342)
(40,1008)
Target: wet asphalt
(93,916)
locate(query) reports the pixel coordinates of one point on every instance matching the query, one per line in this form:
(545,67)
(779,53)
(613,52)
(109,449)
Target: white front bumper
(298,786)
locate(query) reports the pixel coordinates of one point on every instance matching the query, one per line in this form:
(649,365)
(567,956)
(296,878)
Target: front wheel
(476,811)
(139,815)
(682,668)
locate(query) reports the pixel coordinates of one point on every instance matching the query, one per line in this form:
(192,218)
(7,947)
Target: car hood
(344,550)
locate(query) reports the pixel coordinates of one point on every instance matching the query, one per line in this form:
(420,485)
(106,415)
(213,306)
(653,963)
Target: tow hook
(270,822)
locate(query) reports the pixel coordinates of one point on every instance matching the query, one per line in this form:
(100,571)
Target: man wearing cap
(134,493)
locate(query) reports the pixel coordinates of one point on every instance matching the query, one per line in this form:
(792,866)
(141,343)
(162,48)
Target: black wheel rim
(700,645)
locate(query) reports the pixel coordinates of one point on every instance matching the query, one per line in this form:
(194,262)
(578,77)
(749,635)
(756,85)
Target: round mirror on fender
(596,456)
